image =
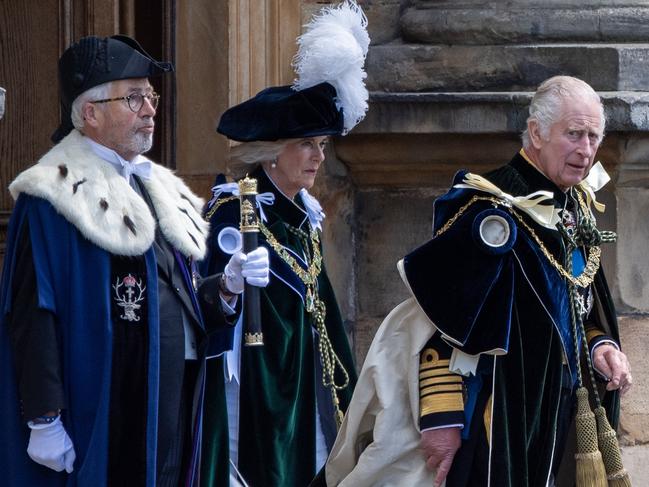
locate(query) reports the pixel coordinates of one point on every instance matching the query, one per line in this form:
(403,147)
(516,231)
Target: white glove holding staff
(253,267)
(50,446)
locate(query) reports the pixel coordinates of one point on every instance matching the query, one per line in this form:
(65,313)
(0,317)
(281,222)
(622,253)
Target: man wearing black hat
(104,316)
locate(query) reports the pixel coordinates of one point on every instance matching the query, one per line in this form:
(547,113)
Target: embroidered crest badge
(129,295)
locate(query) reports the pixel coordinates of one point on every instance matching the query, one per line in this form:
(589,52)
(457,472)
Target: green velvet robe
(520,178)
(280,380)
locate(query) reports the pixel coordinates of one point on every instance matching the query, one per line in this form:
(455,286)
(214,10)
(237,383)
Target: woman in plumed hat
(284,398)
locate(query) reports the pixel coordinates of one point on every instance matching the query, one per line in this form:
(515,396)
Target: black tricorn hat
(281,112)
(96,60)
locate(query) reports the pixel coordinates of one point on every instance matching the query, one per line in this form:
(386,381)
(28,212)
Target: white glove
(252,266)
(50,445)
(255,269)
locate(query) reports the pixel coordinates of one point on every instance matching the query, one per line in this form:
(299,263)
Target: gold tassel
(589,464)
(622,481)
(608,445)
(338,414)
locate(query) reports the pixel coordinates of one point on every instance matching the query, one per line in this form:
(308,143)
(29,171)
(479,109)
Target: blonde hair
(547,102)
(255,152)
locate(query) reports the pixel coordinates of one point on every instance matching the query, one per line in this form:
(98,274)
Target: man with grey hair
(104,318)
(508,299)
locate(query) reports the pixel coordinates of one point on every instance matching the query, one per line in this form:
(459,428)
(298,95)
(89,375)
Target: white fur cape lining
(99,202)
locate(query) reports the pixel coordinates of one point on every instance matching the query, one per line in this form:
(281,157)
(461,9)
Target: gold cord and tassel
(316,308)
(329,361)
(589,466)
(598,458)
(590,470)
(608,445)
(313,305)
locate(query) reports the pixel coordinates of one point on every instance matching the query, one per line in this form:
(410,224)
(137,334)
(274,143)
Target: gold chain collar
(318,311)
(309,276)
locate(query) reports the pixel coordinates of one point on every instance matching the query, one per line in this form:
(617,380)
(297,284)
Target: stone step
(424,68)
(415,140)
(483,113)
(487,4)
(526,23)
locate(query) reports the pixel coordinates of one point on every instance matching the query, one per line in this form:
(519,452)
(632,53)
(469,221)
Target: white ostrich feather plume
(333,49)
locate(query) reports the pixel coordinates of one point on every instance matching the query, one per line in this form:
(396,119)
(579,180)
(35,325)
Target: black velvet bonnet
(96,60)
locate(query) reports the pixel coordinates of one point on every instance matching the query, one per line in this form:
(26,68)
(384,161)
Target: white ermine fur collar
(98,201)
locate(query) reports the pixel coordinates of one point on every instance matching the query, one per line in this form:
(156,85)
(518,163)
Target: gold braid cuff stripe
(433,385)
(434,365)
(447,377)
(584,280)
(441,403)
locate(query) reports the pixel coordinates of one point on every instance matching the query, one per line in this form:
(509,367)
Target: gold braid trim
(310,276)
(441,403)
(585,279)
(587,276)
(318,311)
(459,212)
(218,203)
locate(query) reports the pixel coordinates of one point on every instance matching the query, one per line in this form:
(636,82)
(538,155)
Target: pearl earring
(274,163)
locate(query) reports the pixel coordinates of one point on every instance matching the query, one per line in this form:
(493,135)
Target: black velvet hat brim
(94,61)
(282,112)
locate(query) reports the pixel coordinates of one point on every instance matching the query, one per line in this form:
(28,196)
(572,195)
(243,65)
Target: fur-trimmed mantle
(98,201)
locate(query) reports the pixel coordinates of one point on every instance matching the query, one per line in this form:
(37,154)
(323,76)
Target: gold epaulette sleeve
(440,391)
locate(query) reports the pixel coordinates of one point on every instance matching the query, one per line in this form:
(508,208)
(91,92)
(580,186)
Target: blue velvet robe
(73,281)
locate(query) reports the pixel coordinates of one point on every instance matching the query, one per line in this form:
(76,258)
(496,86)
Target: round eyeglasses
(135,100)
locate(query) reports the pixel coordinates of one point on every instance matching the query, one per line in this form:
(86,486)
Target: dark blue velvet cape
(509,299)
(472,302)
(73,279)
